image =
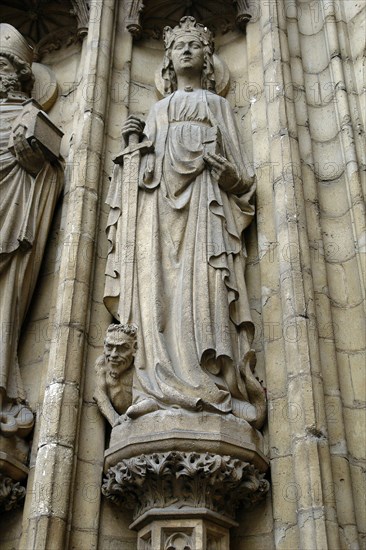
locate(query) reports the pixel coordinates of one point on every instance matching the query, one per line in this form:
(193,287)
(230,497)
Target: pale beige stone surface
(204,299)
(303,274)
(179,430)
(113,528)
(184,533)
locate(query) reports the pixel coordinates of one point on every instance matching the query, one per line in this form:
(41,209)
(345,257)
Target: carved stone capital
(80,9)
(243,14)
(184,474)
(12,493)
(176,480)
(133,21)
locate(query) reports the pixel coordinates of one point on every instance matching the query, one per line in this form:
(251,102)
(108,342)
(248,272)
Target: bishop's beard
(9,82)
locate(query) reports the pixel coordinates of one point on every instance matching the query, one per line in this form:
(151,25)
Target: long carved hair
(208,73)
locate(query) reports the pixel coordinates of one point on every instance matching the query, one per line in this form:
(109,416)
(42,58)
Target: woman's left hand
(222,170)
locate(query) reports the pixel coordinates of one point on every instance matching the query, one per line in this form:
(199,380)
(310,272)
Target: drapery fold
(189,295)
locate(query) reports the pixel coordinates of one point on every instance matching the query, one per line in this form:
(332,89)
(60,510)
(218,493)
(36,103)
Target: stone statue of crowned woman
(194,199)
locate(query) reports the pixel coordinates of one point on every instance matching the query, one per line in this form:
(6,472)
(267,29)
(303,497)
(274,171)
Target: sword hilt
(133,138)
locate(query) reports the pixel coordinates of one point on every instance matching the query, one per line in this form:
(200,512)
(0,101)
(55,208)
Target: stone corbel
(184,499)
(81,12)
(184,475)
(174,480)
(133,20)
(243,14)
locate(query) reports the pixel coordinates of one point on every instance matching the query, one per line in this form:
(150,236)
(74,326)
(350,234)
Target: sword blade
(130,176)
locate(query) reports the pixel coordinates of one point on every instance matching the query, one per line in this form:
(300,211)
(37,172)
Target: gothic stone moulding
(243,15)
(176,480)
(149,18)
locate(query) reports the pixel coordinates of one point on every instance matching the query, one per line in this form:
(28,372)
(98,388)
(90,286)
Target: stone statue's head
(16,57)
(120,346)
(188,26)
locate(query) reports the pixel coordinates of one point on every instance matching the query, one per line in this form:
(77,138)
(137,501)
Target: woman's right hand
(133,125)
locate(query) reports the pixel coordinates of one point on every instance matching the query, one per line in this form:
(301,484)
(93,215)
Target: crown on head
(12,42)
(187,25)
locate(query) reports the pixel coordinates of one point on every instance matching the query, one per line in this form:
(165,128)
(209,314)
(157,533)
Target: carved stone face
(119,355)
(187,54)
(6,67)
(9,80)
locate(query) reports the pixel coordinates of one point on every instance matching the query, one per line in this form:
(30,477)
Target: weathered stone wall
(297,91)
(62,505)
(308,151)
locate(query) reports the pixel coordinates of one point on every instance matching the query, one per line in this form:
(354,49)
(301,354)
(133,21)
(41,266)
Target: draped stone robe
(26,208)
(189,295)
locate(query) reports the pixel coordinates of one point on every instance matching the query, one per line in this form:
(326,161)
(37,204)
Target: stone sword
(130,157)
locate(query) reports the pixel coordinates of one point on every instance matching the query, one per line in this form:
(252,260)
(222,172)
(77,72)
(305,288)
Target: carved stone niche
(184,474)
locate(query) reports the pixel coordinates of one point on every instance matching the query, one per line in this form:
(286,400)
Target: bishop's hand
(133,125)
(224,172)
(29,156)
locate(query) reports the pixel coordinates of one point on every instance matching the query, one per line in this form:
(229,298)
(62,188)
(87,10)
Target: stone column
(47,520)
(295,144)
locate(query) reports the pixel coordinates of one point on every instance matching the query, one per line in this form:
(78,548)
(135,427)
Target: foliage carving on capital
(178,479)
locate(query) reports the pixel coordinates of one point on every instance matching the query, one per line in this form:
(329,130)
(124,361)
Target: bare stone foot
(142,407)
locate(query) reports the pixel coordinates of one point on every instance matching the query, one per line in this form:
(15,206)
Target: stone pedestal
(184,474)
(183,534)
(178,430)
